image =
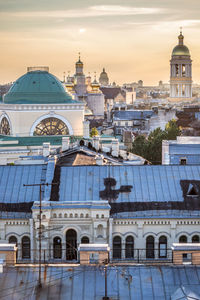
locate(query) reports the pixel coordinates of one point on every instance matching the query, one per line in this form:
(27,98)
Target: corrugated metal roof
(149,183)
(88,283)
(132,115)
(12,179)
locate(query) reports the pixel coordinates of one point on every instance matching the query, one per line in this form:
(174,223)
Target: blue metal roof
(12,179)
(149,183)
(132,115)
(136,282)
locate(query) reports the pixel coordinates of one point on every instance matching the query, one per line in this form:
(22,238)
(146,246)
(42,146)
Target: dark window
(129,247)
(195,239)
(13,240)
(85,240)
(26,247)
(82,143)
(150,247)
(71,244)
(117,247)
(183,239)
(183,161)
(51,126)
(192,190)
(162,246)
(57,247)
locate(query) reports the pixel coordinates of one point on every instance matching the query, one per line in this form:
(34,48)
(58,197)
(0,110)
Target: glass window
(4,127)
(51,126)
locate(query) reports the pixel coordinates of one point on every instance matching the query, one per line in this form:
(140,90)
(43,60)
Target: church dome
(180,49)
(37,86)
(103,79)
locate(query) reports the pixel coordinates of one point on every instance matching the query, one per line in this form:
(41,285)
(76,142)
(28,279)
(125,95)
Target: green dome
(37,87)
(181,50)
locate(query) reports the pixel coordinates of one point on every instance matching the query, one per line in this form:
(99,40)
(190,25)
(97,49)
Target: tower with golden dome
(180,73)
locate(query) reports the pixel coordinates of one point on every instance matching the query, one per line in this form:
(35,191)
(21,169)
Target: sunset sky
(132,39)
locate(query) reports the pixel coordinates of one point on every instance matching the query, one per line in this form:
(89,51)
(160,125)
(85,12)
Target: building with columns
(180,73)
(131,208)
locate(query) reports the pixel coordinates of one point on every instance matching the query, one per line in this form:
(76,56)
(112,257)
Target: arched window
(163,246)
(54,216)
(51,126)
(82,143)
(129,247)
(117,247)
(43,217)
(65,215)
(85,240)
(183,239)
(81,215)
(195,239)
(60,216)
(71,244)
(150,247)
(13,240)
(57,248)
(4,127)
(26,247)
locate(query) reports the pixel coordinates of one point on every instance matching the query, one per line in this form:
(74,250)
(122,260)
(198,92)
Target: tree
(94,132)
(151,148)
(172,130)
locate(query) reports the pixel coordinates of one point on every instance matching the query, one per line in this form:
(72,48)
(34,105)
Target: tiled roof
(132,115)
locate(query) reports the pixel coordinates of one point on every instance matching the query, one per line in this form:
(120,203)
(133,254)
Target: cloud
(91,11)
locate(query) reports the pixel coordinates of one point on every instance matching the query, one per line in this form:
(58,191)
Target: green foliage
(94,132)
(151,147)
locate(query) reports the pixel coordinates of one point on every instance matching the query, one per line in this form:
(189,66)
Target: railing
(136,256)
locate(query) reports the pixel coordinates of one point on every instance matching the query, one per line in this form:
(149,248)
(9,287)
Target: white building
(37,104)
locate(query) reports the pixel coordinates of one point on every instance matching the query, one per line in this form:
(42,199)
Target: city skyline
(132,41)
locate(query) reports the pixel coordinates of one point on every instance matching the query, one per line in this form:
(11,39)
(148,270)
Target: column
(110,235)
(31,223)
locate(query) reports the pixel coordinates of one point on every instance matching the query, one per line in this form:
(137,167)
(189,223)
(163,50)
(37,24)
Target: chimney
(95,142)
(65,143)
(86,129)
(115,147)
(99,160)
(46,149)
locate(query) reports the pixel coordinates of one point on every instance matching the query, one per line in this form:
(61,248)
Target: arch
(5,126)
(60,216)
(65,215)
(150,247)
(4,115)
(183,239)
(195,238)
(82,143)
(85,240)
(117,247)
(13,240)
(71,244)
(26,247)
(51,115)
(129,247)
(57,247)
(162,246)
(54,215)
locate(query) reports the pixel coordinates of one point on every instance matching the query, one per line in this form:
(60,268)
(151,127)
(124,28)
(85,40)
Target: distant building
(85,90)
(103,79)
(185,150)
(180,73)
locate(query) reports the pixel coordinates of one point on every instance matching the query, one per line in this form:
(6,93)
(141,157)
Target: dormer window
(183,161)
(192,190)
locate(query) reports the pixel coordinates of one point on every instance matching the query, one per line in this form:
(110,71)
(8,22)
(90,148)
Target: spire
(63,76)
(180,37)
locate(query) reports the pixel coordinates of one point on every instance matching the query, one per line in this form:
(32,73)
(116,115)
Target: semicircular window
(51,126)
(4,127)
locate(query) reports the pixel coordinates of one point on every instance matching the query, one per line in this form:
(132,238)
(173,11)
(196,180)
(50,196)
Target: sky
(132,39)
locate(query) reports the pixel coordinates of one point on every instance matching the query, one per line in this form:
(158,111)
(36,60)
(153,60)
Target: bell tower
(180,73)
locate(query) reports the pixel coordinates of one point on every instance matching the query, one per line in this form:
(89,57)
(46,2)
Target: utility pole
(105,270)
(40,226)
